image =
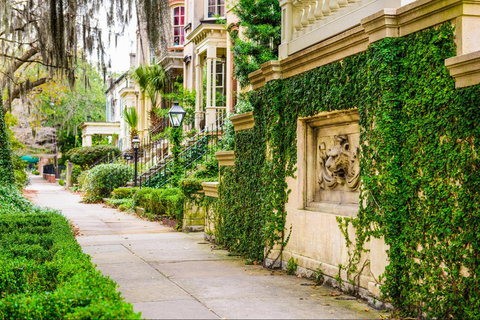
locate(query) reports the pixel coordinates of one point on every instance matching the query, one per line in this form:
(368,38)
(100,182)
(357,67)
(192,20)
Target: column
(87,140)
(210,108)
(198,89)
(69,173)
(287,28)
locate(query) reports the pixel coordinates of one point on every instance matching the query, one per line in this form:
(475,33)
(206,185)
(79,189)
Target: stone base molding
(225,158)
(244,121)
(416,16)
(210,189)
(465,69)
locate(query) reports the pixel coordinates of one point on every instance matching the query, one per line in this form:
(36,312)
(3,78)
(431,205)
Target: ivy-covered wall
(419,169)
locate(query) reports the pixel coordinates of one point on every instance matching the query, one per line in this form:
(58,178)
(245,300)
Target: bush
(162,202)
(43,272)
(76,172)
(122,193)
(61,182)
(35,172)
(102,179)
(86,156)
(21,177)
(126,204)
(82,178)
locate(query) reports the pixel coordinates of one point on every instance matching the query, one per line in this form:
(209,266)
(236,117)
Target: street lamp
(136,146)
(176,114)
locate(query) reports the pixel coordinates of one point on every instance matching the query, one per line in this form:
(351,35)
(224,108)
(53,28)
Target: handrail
(189,156)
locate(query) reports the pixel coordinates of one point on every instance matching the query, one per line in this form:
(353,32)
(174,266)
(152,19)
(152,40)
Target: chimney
(132,60)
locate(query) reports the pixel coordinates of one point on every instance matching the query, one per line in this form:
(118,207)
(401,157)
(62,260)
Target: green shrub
(102,179)
(21,179)
(117,203)
(86,156)
(35,172)
(76,172)
(122,193)
(82,178)
(61,182)
(292,266)
(43,272)
(162,202)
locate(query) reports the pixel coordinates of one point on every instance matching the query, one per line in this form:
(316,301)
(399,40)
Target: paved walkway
(167,274)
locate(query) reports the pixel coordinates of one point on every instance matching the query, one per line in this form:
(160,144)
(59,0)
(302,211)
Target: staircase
(196,150)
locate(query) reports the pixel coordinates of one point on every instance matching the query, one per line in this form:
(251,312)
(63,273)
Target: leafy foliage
(102,179)
(43,272)
(152,80)
(259,43)
(419,169)
(55,104)
(86,156)
(76,172)
(185,98)
(161,202)
(123,193)
(131,118)
(6,166)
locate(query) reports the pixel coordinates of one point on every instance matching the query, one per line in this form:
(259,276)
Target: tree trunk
(7,177)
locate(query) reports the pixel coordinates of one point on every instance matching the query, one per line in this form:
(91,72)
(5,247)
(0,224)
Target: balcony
(307,22)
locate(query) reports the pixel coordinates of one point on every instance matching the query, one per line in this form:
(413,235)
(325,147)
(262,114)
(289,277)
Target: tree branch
(15,94)
(23,59)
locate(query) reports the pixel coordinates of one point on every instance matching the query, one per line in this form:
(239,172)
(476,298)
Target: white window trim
(205,14)
(182,26)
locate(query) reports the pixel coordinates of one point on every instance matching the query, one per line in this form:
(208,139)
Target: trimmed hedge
(102,179)
(43,272)
(86,156)
(162,202)
(122,193)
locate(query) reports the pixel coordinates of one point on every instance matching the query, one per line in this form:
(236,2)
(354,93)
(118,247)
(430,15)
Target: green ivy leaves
(419,169)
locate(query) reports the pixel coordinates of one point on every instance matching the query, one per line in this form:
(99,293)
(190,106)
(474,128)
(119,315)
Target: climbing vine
(419,169)
(6,164)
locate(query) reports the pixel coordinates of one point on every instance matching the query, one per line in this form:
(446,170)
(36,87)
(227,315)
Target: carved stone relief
(331,157)
(339,165)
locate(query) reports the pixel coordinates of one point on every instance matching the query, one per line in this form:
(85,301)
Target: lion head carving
(339,165)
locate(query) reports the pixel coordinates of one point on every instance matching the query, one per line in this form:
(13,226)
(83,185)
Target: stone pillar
(467,38)
(208,95)
(87,140)
(198,89)
(210,116)
(287,28)
(68,178)
(211,85)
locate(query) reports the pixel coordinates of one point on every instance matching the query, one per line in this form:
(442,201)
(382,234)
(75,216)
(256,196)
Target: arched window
(178,24)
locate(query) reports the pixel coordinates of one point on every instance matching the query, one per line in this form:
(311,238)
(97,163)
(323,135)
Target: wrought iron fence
(196,150)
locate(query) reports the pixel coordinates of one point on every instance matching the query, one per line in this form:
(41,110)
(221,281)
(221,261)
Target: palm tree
(152,80)
(131,118)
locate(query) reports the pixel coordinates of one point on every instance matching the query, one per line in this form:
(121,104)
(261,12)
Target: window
(216,8)
(220,84)
(178,23)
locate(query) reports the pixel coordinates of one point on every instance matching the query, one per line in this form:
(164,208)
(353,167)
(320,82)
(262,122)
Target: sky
(119,54)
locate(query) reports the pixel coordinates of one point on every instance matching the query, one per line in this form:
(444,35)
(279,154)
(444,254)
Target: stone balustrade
(306,22)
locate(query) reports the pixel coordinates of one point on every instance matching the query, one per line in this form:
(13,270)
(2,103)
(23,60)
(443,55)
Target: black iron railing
(196,150)
(50,169)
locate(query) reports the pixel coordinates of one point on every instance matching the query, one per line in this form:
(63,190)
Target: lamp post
(136,146)
(176,115)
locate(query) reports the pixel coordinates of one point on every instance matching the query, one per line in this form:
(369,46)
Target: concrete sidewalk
(173,275)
